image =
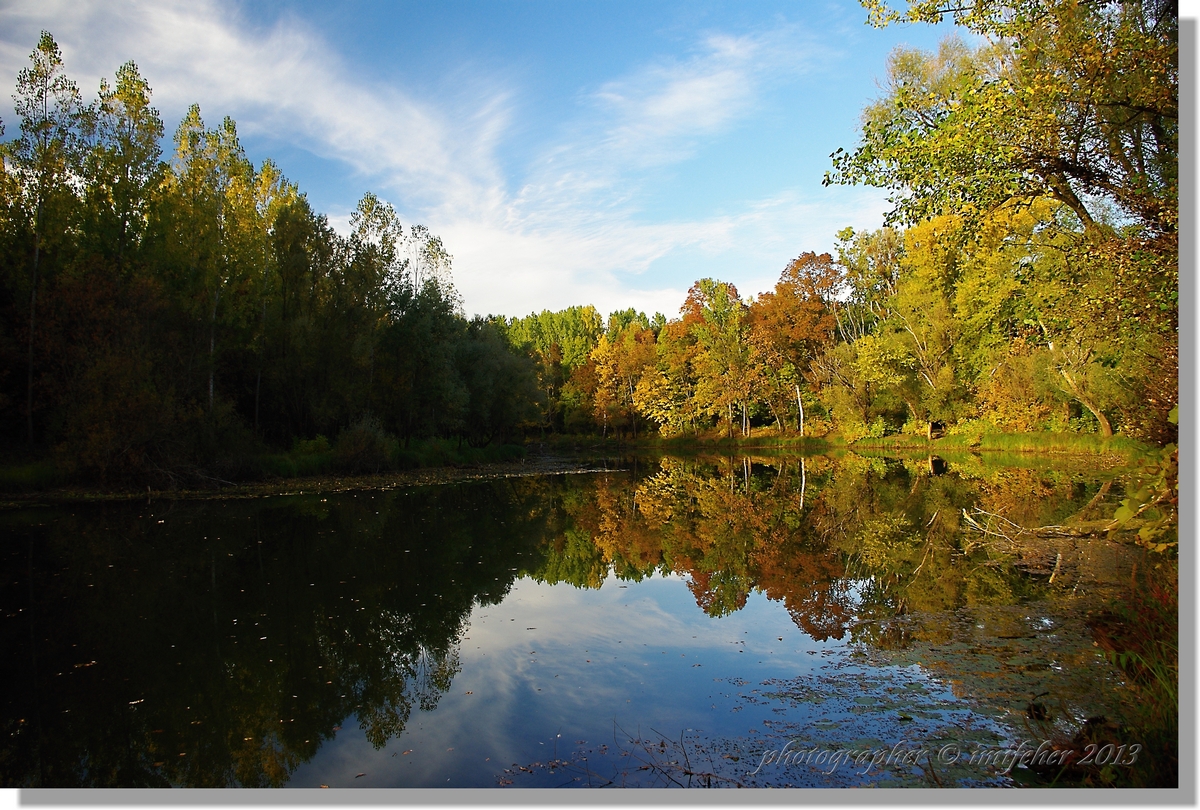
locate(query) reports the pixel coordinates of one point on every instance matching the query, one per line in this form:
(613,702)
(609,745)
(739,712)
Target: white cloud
(283,80)
(568,231)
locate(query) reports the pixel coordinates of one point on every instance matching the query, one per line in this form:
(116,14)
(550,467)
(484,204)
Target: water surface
(664,626)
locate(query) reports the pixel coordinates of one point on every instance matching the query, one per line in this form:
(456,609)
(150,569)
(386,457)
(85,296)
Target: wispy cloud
(566,229)
(662,111)
(285,81)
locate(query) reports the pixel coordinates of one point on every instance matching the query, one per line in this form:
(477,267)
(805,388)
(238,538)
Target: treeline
(1026,280)
(174,319)
(183,317)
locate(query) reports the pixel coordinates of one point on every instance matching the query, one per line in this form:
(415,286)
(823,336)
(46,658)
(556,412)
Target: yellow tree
(725,375)
(666,393)
(620,365)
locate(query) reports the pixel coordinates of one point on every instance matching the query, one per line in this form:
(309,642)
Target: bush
(364,448)
(38,475)
(310,447)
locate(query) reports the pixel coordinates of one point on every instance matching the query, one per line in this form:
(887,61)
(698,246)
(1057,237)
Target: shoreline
(429,476)
(569,455)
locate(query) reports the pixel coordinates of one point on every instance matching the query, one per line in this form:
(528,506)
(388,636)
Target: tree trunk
(370,377)
(37,249)
(800,405)
(803,482)
(262,350)
(212,343)
(1105,426)
(632,410)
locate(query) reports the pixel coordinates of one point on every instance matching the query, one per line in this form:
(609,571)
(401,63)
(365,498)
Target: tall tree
(1067,101)
(42,159)
(790,326)
(121,164)
(726,376)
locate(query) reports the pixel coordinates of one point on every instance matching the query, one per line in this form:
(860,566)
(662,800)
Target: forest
(169,321)
(179,316)
(1026,279)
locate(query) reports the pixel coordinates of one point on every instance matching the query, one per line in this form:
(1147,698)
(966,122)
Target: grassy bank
(329,483)
(365,452)
(25,477)
(1079,444)
(762,438)
(1082,444)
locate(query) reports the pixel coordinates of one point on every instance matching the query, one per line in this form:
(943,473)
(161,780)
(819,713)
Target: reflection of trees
(730,526)
(241,634)
(870,539)
(404,672)
(185,690)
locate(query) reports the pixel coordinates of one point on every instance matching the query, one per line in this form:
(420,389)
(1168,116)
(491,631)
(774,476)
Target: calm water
(660,626)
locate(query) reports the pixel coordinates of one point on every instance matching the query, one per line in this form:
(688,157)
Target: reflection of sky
(584,664)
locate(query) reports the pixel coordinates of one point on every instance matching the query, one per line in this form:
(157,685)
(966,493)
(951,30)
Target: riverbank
(312,466)
(530,465)
(1045,443)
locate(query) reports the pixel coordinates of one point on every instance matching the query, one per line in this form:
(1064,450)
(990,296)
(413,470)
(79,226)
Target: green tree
(42,160)
(1068,100)
(121,163)
(1069,103)
(725,375)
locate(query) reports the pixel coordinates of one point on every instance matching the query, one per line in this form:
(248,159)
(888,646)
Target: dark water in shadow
(664,627)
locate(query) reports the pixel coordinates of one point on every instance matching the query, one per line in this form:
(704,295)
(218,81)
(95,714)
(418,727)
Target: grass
(295,465)
(306,459)
(762,437)
(449,453)
(1073,444)
(1064,443)
(20,477)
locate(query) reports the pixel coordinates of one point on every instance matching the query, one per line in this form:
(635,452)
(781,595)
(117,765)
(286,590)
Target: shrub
(310,447)
(364,448)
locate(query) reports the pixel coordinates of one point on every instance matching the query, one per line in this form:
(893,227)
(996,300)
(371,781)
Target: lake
(702,621)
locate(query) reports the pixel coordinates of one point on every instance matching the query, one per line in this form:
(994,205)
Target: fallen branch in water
(993,525)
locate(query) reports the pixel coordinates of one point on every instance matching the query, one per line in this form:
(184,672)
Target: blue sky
(567,152)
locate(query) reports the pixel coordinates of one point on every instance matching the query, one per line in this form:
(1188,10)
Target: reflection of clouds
(506,716)
(635,624)
(657,612)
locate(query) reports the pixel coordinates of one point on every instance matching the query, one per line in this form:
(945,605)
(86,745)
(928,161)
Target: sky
(605,153)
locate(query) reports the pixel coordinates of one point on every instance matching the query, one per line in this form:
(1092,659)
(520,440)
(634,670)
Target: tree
(209,222)
(561,343)
(666,393)
(1076,101)
(372,271)
(725,376)
(122,164)
(1067,106)
(620,362)
(277,203)
(789,326)
(501,385)
(42,160)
